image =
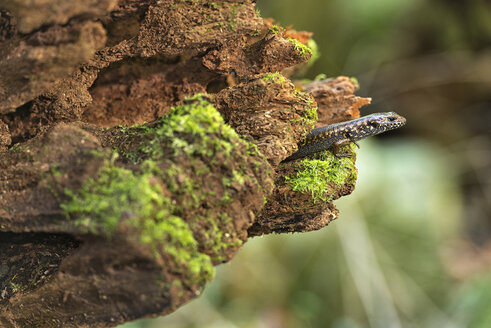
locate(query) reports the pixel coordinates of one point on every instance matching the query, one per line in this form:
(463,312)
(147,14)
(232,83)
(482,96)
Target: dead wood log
(105,218)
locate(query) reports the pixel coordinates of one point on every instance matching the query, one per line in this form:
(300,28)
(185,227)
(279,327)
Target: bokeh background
(412,246)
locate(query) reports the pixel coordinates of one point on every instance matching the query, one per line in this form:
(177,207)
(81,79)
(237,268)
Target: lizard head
(381,122)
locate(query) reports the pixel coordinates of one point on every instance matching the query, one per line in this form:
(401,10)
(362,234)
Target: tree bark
(105,218)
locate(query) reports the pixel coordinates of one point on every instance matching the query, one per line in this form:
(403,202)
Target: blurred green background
(412,246)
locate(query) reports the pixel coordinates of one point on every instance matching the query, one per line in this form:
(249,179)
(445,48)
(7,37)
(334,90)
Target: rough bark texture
(105,218)
(336,100)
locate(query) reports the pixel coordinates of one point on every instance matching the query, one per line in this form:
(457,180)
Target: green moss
(119,197)
(196,134)
(274,29)
(16,288)
(310,109)
(238,177)
(309,115)
(214,233)
(301,48)
(273,77)
(316,176)
(198,119)
(216,5)
(178,182)
(185,225)
(177,285)
(354,80)
(17,148)
(55,170)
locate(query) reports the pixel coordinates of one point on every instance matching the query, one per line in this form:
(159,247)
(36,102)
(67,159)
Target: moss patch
(310,110)
(100,204)
(198,135)
(354,80)
(301,48)
(318,175)
(274,29)
(273,77)
(118,198)
(198,118)
(186,170)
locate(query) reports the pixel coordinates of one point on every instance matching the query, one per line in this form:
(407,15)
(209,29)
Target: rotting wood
(67,92)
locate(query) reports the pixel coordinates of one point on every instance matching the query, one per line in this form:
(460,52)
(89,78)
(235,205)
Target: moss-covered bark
(140,145)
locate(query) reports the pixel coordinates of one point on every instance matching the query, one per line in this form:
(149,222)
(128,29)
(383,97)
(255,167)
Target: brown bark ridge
(105,218)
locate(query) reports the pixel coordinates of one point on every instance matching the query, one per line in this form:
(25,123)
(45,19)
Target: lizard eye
(374,124)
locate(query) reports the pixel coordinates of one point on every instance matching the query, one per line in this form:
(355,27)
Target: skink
(336,135)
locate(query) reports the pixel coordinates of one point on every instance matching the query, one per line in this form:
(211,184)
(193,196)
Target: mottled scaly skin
(336,135)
